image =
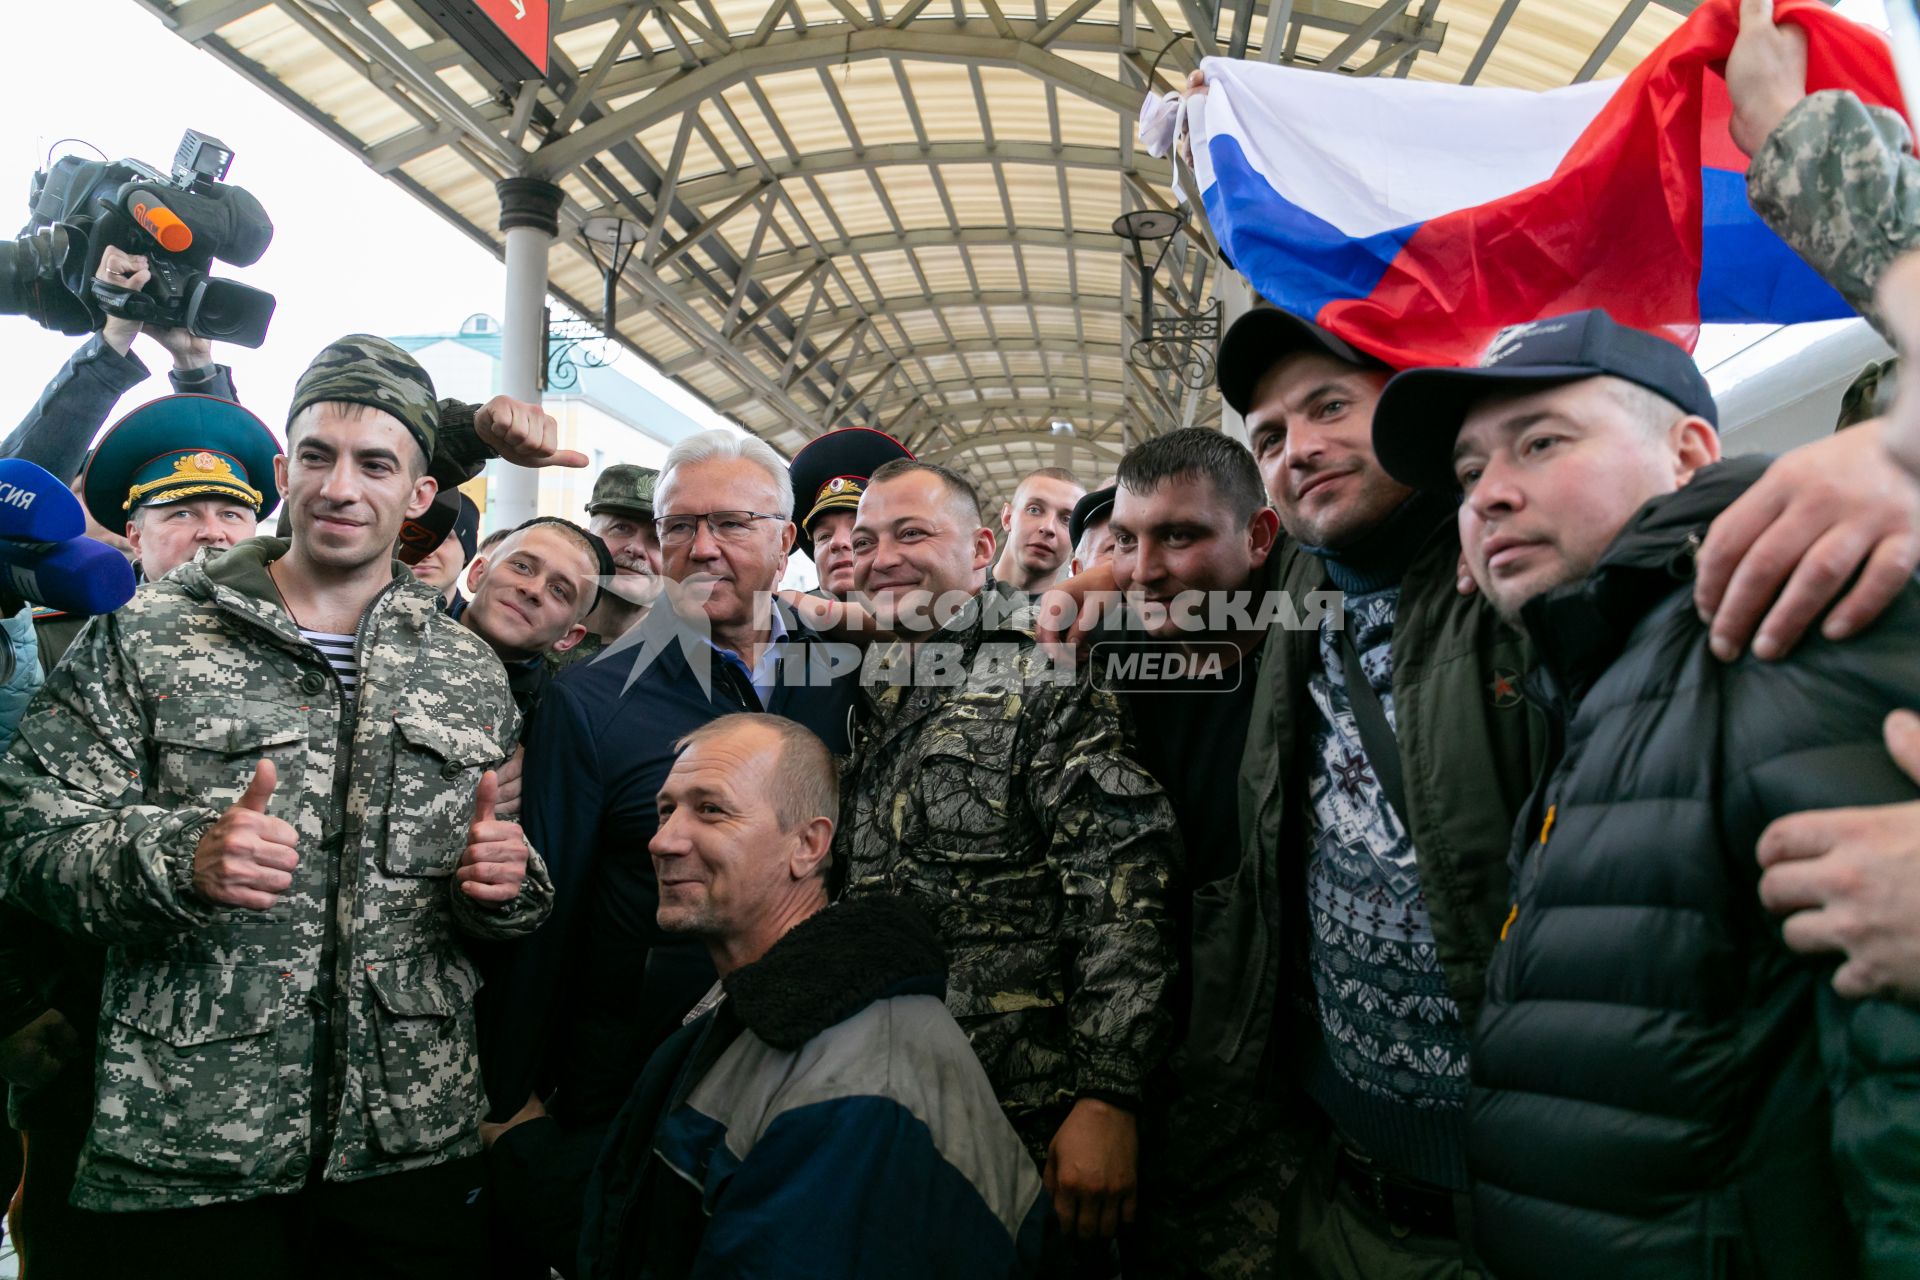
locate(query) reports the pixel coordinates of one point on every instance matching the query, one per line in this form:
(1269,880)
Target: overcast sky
(351,251)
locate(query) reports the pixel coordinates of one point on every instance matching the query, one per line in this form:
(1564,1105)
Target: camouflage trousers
(1216,1199)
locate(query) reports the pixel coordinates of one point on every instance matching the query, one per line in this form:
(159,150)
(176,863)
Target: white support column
(1236,299)
(529,215)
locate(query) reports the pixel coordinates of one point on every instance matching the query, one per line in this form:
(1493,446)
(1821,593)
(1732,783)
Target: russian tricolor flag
(1416,220)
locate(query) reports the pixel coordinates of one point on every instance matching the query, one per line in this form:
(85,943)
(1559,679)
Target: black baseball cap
(1420,413)
(466,526)
(1259,339)
(1090,508)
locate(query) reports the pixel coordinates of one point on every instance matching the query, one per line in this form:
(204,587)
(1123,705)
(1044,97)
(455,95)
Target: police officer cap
(830,472)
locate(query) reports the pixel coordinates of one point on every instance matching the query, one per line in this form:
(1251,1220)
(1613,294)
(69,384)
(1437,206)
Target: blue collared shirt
(762,674)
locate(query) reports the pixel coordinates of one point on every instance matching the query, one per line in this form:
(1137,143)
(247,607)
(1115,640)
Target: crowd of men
(1507,865)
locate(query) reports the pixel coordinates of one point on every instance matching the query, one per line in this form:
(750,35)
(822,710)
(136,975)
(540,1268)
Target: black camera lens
(227,311)
(31,284)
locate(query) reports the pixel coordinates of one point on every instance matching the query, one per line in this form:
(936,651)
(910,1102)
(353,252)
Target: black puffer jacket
(1661,1088)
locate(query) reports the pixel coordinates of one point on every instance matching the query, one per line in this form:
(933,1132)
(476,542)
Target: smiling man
(1000,799)
(532,593)
(1035,526)
(1660,1087)
(293,838)
(822,1115)
(597,992)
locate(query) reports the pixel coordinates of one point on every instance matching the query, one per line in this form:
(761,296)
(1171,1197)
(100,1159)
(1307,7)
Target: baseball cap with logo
(1421,411)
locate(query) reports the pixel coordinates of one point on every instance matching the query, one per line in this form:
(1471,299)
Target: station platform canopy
(888,213)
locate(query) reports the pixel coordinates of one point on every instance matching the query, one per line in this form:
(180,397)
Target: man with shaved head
(1035,526)
(821,1113)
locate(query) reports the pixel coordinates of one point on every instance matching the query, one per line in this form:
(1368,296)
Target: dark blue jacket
(1661,1088)
(580,1004)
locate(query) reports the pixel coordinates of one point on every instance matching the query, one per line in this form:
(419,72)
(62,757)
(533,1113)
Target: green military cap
(625,488)
(363,369)
(177,448)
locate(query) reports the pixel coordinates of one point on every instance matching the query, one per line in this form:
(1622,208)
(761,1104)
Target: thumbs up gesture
(495,863)
(246,858)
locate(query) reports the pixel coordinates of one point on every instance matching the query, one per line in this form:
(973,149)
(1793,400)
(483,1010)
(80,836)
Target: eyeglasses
(727,526)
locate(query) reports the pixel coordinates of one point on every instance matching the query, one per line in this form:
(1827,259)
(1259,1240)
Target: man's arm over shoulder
(1113,843)
(78,847)
(1837,180)
(1811,725)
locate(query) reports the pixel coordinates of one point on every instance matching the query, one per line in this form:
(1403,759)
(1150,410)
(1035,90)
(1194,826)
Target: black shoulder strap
(1376,734)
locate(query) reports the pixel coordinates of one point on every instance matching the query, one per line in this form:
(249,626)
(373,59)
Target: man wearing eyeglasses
(576,1013)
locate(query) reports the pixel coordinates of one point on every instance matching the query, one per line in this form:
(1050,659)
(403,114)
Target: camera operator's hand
(189,352)
(122,270)
(523,434)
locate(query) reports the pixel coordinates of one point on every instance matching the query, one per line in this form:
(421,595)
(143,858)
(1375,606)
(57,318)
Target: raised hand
(523,434)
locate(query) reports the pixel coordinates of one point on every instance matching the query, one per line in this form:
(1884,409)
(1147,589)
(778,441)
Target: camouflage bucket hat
(625,488)
(363,369)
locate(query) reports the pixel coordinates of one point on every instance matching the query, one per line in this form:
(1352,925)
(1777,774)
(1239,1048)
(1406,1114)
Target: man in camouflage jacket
(321,1026)
(1004,805)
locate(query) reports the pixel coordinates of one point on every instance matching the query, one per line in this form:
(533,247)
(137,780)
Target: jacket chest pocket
(189,1069)
(423,1091)
(206,748)
(961,776)
(436,768)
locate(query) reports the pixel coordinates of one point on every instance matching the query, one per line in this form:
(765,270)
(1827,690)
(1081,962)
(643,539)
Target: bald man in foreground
(820,1113)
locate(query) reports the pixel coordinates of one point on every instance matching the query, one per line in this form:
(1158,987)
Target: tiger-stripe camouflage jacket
(1002,802)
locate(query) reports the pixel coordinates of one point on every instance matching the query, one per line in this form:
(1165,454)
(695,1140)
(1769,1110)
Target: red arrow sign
(525,22)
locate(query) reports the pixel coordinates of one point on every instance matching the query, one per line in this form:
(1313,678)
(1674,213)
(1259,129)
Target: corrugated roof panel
(1547,42)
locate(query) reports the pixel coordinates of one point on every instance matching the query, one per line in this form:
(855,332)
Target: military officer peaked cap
(178,448)
(830,472)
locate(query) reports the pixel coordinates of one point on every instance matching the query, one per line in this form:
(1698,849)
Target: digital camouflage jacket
(237,1047)
(1837,180)
(999,800)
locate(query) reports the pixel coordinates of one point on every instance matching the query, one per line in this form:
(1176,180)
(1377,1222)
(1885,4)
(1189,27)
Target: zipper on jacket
(329,989)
